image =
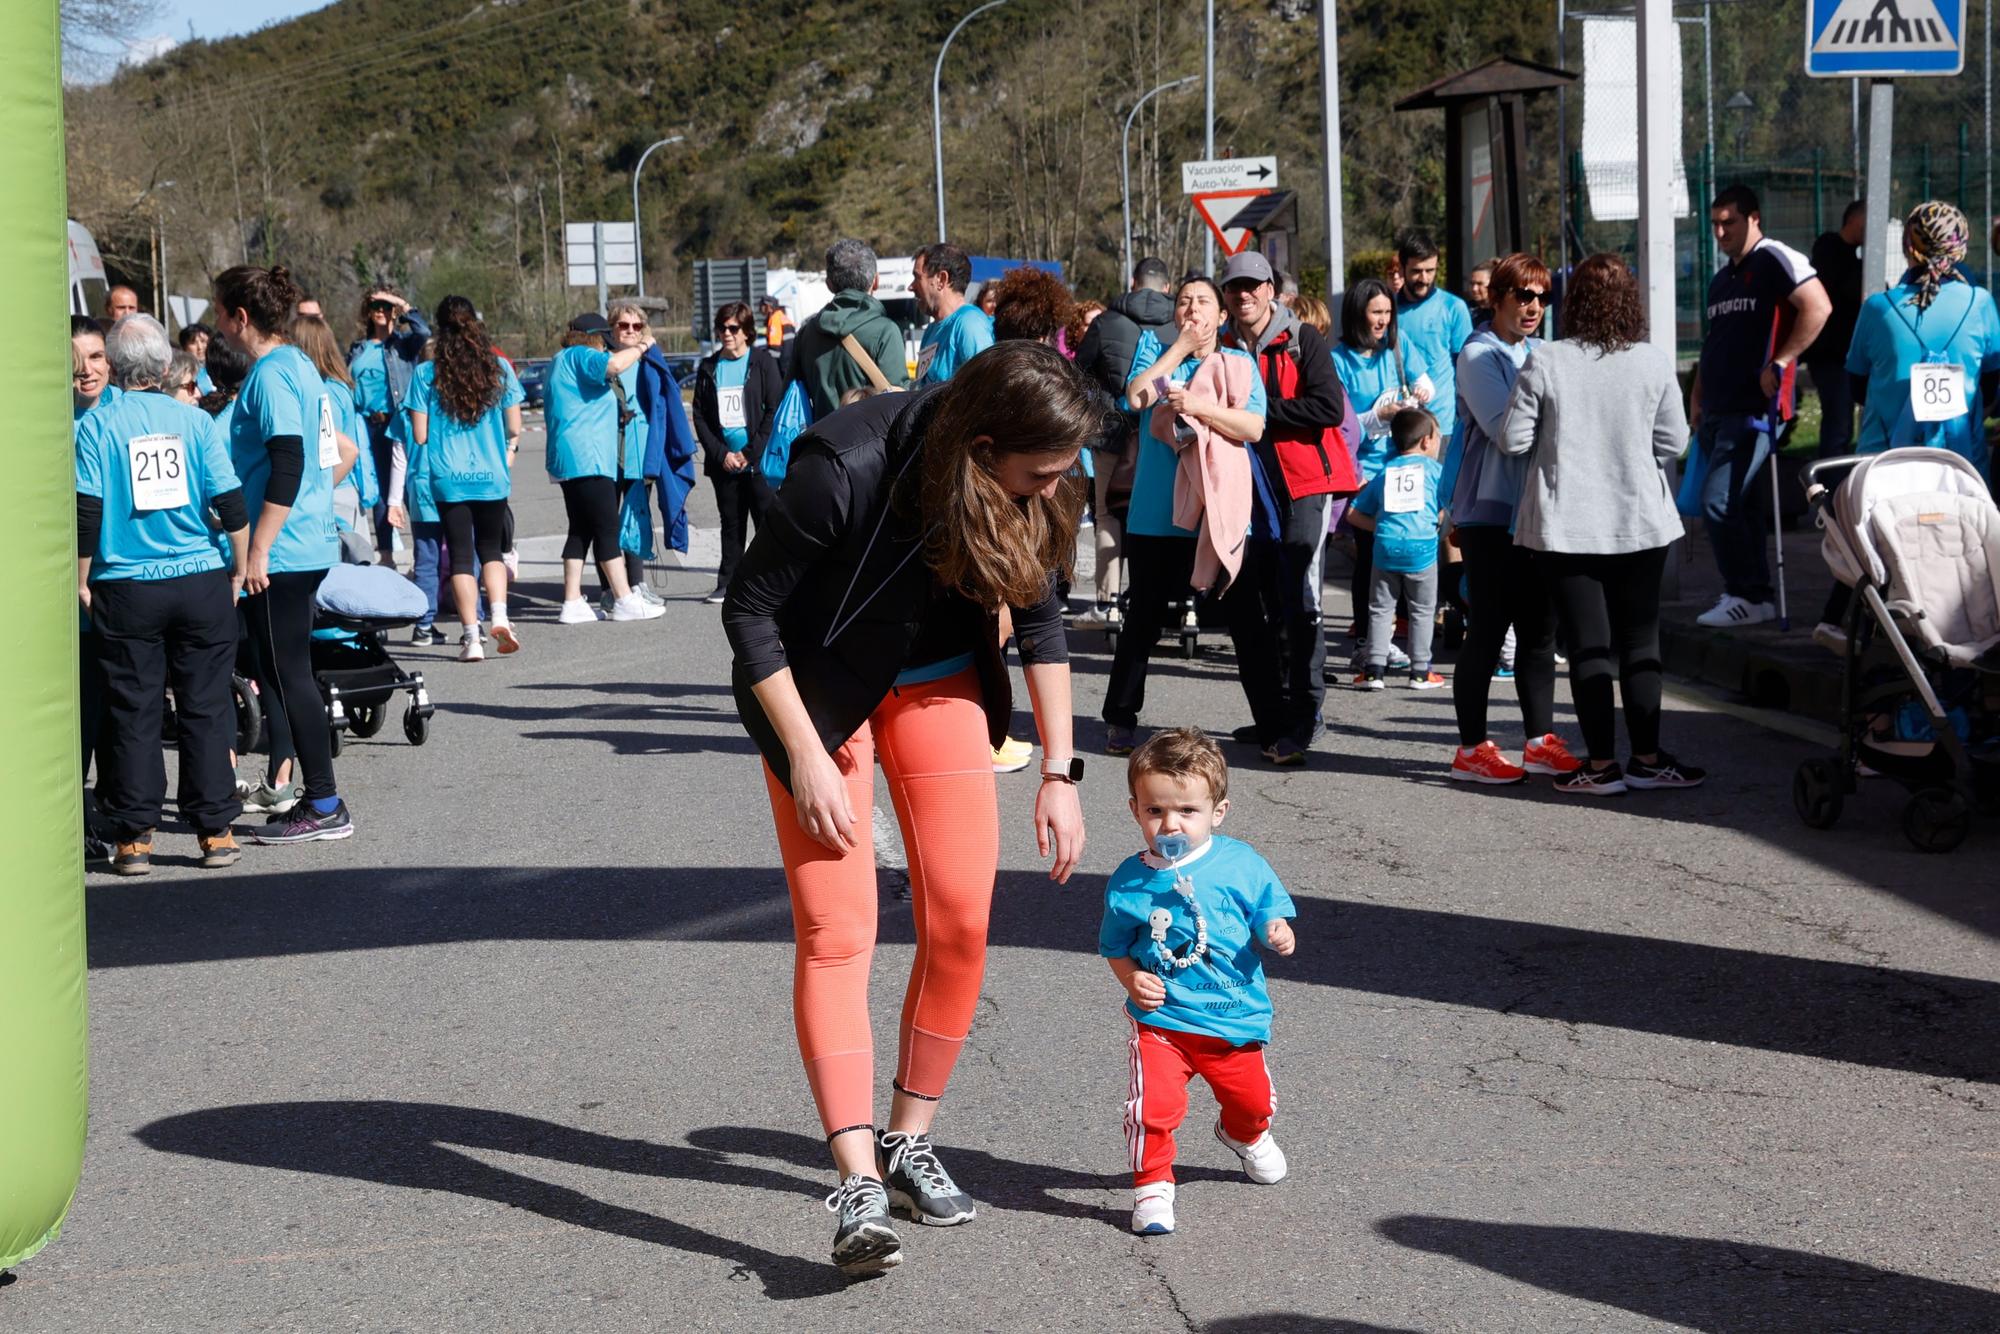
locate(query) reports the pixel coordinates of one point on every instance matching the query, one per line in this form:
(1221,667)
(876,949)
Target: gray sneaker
(264,799)
(646,591)
(865,1242)
(918,1184)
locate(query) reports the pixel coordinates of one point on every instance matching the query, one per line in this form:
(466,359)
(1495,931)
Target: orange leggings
(939,763)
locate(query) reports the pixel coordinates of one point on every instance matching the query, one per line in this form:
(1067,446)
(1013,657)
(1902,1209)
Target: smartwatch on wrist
(1071,774)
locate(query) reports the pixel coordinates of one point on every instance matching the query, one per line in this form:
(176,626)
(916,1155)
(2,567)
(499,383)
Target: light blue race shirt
(1237,894)
(370,370)
(283,395)
(1405,510)
(1437,328)
(1366,377)
(951,342)
(156,464)
(1891,336)
(632,462)
(104,400)
(1152,512)
(465,460)
(729,378)
(580,414)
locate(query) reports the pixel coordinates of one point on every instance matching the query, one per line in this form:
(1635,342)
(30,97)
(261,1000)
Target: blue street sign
(1884,39)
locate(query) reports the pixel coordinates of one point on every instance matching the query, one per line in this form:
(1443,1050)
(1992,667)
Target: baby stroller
(357,605)
(1917,537)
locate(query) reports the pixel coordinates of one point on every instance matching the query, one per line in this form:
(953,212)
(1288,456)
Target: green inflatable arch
(43,1067)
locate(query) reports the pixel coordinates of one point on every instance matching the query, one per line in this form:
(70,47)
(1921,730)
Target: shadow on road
(1896,1019)
(1290,1322)
(415,1145)
(1699,1282)
(999,1182)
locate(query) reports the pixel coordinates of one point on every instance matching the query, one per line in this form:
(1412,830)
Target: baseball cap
(590,322)
(1248,266)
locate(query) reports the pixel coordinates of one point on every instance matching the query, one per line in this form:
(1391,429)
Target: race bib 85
(1937,391)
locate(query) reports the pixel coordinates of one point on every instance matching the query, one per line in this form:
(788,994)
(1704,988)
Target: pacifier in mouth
(1171,847)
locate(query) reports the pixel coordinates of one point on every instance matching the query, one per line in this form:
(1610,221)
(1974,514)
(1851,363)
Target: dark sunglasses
(380,308)
(1524,295)
(731,328)
(632,328)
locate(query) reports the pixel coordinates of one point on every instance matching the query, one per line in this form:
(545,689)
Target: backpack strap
(853,348)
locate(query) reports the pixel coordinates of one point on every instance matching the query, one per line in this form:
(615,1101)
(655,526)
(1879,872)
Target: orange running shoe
(1485,764)
(1548,755)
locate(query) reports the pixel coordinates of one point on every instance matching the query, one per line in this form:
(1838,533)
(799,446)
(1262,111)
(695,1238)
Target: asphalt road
(518,1055)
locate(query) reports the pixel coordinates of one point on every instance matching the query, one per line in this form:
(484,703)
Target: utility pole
(1329,150)
(1208,128)
(1125,163)
(937,109)
(638,244)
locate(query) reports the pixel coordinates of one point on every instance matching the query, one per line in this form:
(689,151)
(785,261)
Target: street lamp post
(638,250)
(937,107)
(1125,161)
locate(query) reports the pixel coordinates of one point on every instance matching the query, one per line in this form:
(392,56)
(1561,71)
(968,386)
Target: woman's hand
(1059,827)
(819,791)
(735,461)
(1187,404)
(257,572)
(399,518)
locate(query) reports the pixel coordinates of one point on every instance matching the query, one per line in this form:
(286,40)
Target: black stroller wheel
(335,738)
(1937,819)
(365,720)
(416,726)
(249,714)
(1816,793)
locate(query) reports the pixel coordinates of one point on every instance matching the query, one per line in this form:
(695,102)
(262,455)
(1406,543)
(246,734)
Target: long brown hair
(468,374)
(1017,397)
(314,337)
(1601,309)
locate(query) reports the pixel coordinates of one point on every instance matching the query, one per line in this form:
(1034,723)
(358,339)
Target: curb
(1795,679)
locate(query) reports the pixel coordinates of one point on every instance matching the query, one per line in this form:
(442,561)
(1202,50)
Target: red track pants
(1163,1061)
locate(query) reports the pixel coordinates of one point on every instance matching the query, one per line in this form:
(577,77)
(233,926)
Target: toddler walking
(1182,921)
(1401,507)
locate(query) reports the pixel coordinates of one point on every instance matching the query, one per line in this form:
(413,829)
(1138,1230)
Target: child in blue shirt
(1401,508)
(1182,921)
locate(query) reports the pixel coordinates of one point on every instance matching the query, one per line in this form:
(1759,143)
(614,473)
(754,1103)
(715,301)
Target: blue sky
(224,18)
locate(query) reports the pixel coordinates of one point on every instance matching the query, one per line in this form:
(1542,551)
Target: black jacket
(763,387)
(835,585)
(1106,352)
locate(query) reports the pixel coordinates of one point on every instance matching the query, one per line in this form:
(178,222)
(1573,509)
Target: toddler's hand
(1278,935)
(1148,992)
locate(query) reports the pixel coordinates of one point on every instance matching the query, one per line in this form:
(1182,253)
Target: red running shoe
(1548,755)
(1485,764)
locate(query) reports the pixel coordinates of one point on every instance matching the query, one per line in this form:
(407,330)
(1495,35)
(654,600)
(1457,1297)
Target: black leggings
(1504,586)
(280,621)
(1610,607)
(474,527)
(592,503)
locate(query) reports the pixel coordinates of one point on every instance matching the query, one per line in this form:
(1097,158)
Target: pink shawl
(1212,486)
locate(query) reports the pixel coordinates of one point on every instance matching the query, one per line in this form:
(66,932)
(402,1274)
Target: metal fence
(1801,197)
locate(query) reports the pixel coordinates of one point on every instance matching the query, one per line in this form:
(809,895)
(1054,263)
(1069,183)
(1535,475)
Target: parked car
(533,373)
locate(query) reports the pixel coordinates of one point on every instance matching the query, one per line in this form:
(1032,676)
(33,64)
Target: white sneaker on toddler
(1153,1209)
(1263,1160)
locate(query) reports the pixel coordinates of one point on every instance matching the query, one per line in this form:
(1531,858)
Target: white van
(88,287)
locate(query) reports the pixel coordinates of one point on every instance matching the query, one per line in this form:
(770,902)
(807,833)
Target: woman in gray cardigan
(1599,415)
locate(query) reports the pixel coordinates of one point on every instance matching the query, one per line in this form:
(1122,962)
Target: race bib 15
(1403,491)
(159,472)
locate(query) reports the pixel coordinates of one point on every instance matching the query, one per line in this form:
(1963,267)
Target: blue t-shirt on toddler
(1221,994)
(1403,501)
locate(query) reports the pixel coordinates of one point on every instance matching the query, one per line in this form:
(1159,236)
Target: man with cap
(1302,462)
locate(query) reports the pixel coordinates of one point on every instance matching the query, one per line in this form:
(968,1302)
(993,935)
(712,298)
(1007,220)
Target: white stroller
(1916,535)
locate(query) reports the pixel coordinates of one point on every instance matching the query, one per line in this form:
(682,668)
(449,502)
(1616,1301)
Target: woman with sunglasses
(736,393)
(1504,588)
(586,448)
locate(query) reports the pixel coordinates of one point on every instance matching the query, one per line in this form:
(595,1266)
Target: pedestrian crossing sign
(1884,39)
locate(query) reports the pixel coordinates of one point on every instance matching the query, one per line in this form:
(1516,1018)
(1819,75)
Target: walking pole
(1778,535)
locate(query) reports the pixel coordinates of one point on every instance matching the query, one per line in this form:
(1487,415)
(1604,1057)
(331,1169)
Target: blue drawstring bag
(635,523)
(1694,476)
(793,416)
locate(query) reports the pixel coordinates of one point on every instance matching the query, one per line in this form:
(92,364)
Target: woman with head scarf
(1924,362)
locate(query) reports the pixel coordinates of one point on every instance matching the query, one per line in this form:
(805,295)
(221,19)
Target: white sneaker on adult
(505,638)
(1263,1160)
(577,611)
(1153,1209)
(469,647)
(1730,611)
(632,607)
